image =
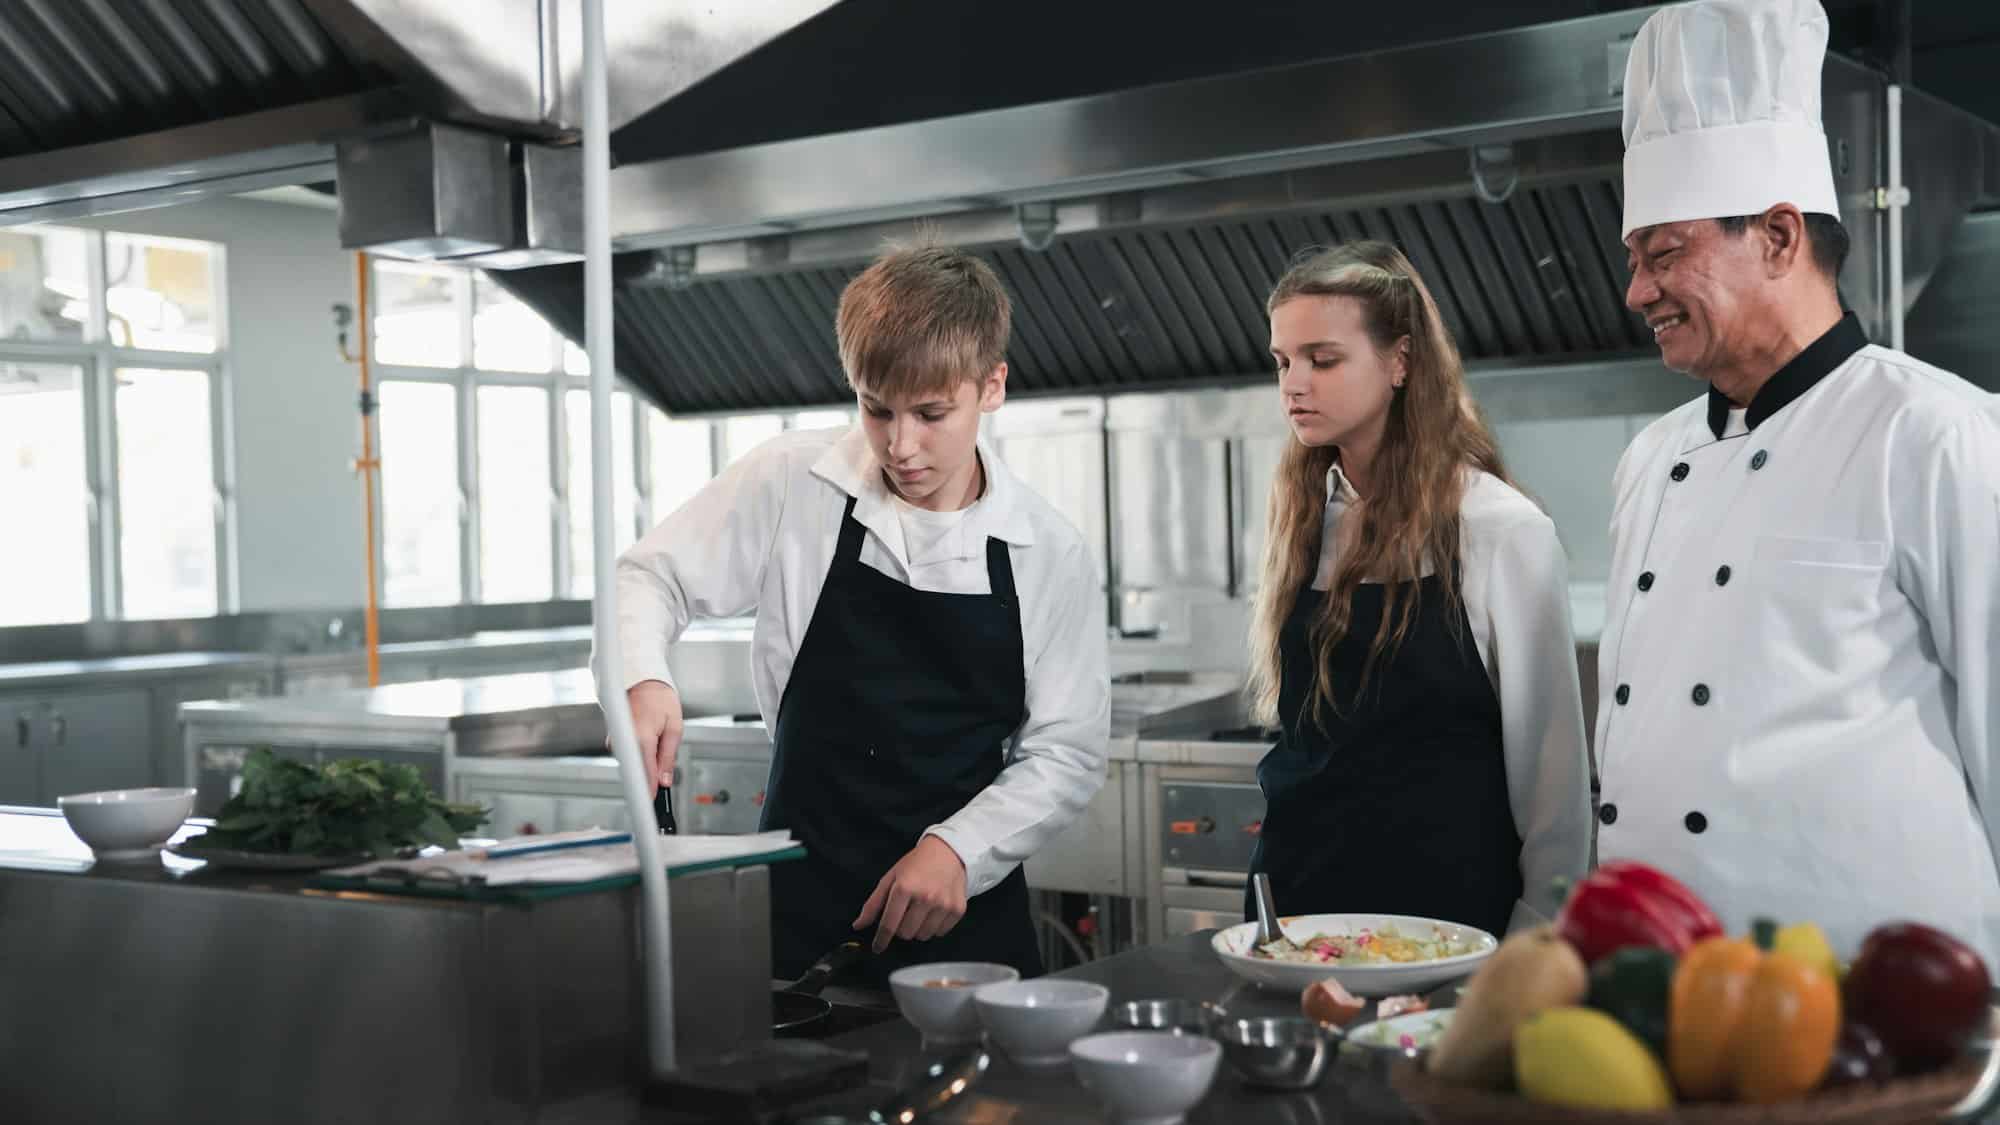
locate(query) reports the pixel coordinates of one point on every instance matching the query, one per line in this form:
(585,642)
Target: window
(45,290)
(821,420)
(683,459)
(445,335)
(506,334)
(420,495)
(110,446)
(160,293)
(746,432)
(166,493)
(416,315)
(516,536)
(42,486)
(625,488)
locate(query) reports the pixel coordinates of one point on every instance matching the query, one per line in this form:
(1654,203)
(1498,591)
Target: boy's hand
(656,719)
(922,897)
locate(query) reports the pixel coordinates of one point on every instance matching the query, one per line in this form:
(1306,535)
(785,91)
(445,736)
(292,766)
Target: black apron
(896,715)
(1400,805)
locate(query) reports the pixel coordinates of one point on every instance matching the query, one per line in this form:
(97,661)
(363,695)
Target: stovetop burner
(843,1018)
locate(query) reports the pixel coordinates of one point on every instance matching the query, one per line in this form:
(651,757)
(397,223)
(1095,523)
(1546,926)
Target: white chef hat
(1722,112)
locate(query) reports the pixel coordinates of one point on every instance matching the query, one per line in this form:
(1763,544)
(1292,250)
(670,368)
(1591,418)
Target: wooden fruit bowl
(1905,1101)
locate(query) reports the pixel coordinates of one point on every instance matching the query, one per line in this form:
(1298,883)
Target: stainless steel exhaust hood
(1140,230)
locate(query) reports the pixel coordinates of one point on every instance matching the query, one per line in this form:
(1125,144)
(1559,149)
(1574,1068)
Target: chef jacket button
(1645,581)
(1722,576)
(1624,694)
(1701,695)
(1608,814)
(1696,823)
(1757,460)
(1680,471)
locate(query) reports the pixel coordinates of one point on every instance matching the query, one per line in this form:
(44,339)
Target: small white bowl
(1035,1021)
(127,824)
(1146,1077)
(937,997)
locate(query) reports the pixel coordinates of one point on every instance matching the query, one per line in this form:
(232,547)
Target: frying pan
(800,1004)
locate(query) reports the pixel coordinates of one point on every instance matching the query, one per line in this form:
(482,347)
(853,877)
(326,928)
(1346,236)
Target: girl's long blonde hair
(1417,480)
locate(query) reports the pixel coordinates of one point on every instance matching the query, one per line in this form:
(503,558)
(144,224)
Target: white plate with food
(1371,955)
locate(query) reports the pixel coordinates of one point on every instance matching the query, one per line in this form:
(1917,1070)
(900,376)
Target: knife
(663,809)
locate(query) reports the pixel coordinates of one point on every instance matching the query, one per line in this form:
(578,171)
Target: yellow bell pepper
(1749,1024)
(1808,943)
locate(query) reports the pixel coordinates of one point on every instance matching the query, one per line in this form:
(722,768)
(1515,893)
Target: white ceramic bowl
(1035,1021)
(937,997)
(127,824)
(1234,944)
(1410,1035)
(1146,1077)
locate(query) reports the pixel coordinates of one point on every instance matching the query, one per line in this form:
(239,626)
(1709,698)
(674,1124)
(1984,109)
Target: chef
(1798,708)
(926,652)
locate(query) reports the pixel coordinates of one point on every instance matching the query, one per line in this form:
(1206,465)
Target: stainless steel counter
(540,709)
(172,992)
(57,673)
(1351,1094)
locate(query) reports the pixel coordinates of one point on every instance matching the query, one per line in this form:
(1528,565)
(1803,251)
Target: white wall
(297,429)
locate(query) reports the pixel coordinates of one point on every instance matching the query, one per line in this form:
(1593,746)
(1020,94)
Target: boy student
(926,652)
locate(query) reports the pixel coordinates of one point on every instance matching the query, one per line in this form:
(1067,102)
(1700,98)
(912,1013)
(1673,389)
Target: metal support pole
(1898,199)
(657,917)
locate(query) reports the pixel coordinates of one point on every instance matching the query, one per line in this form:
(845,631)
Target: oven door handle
(1217,879)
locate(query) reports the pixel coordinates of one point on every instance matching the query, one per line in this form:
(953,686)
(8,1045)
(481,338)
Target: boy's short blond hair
(921,320)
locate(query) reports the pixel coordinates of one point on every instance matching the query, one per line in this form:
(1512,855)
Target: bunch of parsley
(348,807)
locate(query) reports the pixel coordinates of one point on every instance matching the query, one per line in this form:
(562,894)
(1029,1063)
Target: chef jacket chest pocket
(1813,590)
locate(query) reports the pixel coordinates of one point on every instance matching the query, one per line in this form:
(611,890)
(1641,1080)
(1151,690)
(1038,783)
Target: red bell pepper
(1625,903)
(1922,990)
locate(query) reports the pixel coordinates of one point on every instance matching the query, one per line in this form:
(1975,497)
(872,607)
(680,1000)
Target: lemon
(1583,1058)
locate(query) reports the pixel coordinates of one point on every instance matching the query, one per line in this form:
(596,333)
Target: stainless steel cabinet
(1098,853)
(1254,465)
(74,742)
(20,753)
(1056,447)
(530,798)
(169,761)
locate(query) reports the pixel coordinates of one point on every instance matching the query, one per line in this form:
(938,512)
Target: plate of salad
(1370,955)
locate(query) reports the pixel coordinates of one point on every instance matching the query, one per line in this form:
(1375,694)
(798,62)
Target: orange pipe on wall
(368,466)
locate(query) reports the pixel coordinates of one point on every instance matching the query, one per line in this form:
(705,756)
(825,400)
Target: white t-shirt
(923,528)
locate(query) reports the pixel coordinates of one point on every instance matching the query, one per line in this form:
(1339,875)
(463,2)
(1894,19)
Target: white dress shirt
(761,538)
(1800,709)
(1515,583)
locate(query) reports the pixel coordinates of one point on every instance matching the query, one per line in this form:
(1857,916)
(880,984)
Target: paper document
(563,857)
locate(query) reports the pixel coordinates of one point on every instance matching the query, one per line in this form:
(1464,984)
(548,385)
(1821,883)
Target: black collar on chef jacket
(1807,368)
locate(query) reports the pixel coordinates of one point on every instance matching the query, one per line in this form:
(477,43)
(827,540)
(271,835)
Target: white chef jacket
(761,538)
(1797,678)
(1515,583)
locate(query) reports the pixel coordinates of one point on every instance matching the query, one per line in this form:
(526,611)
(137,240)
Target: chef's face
(1697,287)
(928,442)
(1336,385)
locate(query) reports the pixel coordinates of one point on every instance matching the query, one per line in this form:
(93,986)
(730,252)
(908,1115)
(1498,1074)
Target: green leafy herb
(347,807)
